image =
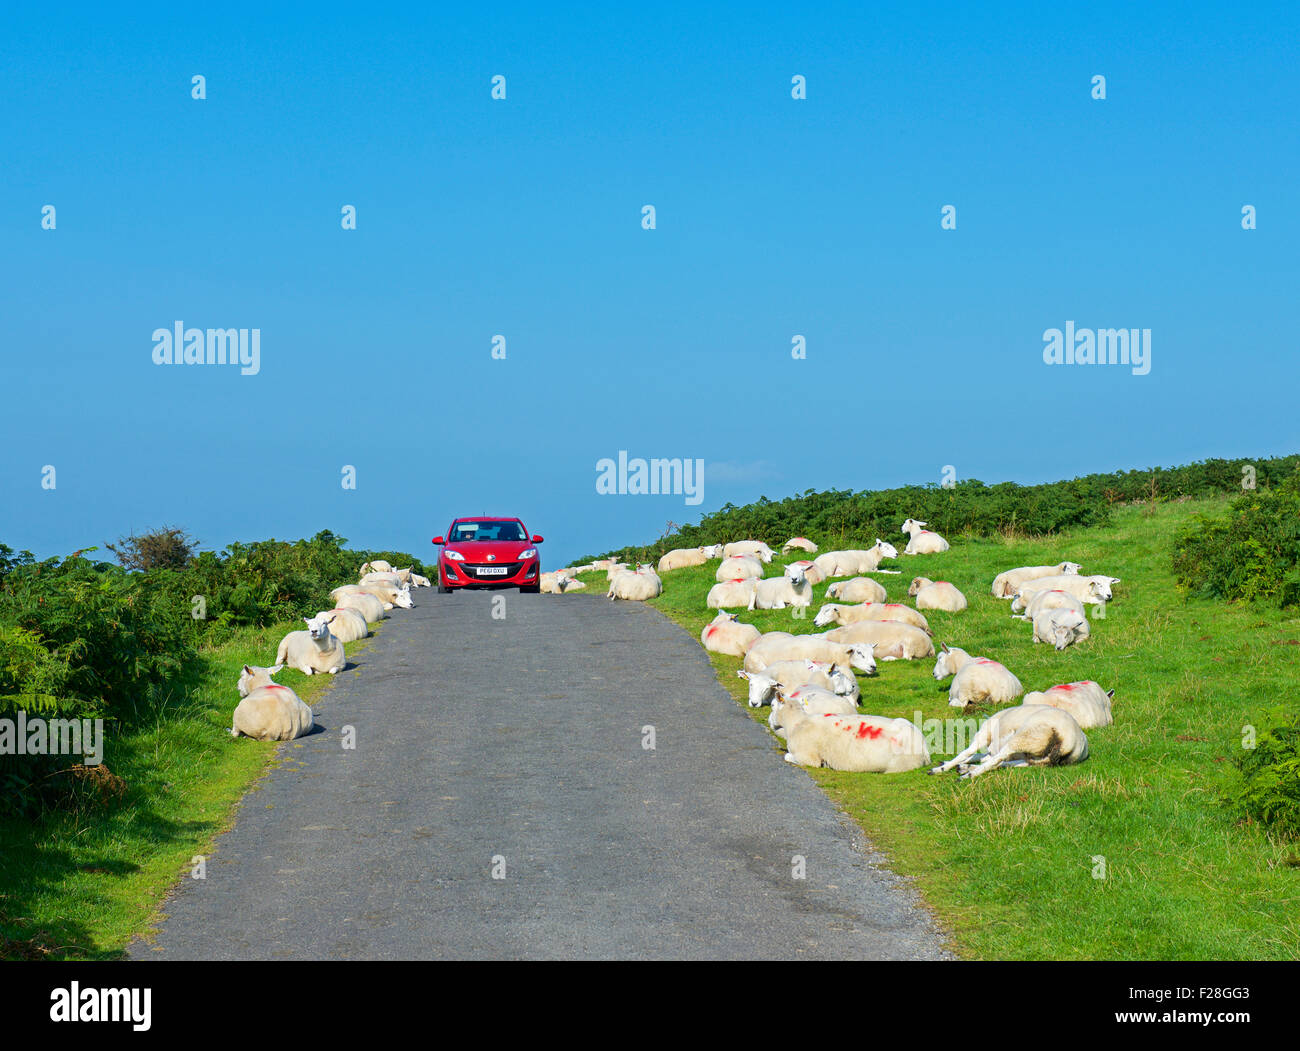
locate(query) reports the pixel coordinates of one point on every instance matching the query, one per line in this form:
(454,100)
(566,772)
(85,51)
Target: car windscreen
(486,530)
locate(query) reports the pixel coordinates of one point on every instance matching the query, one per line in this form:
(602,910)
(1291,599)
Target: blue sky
(522,217)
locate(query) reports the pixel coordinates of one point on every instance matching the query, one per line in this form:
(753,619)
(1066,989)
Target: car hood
(498,550)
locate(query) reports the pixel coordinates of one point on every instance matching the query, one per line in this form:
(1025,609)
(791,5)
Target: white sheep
(749,547)
(809,700)
(315,650)
(367,605)
(1028,735)
(1095,589)
(1044,600)
(798,543)
(792,589)
(268,711)
(420,582)
(389,595)
(635,586)
(554,583)
(851,563)
(937,594)
(1007,584)
(893,640)
(763,685)
(859,589)
(731,593)
(1085,700)
(615,568)
(681,558)
(782,646)
(923,542)
(376,577)
(976,680)
(873,744)
(810,570)
(378,565)
(1061,627)
(837,613)
(738,567)
(725,634)
(345,624)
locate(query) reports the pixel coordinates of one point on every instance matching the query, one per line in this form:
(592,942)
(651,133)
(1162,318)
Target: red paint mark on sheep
(865,730)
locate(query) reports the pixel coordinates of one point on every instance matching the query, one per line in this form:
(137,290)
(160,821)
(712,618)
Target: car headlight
(455,556)
(530,553)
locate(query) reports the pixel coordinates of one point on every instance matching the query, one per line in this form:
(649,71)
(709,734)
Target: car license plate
(492,571)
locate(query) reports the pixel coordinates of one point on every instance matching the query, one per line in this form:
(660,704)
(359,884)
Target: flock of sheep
(268,711)
(811,681)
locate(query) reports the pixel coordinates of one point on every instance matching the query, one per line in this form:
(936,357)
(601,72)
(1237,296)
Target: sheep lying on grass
(637,587)
(725,634)
(834,613)
(313,651)
(851,563)
(764,685)
(268,711)
(1007,584)
(731,593)
(1029,735)
(1095,590)
(782,646)
(365,604)
(1041,601)
(749,547)
(937,594)
(810,700)
(810,570)
(922,541)
(739,567)
(682,557)
(859,589)
(1085,700)
(976,680)
(792,589)
(872,744)
(1061,627)
(798,543)
(892,640)
(345,624)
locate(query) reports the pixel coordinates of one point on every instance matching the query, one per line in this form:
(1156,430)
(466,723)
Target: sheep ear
(943,647)
(1110,693)
(248,670)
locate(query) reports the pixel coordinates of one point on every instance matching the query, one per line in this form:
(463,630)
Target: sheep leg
(1012,747)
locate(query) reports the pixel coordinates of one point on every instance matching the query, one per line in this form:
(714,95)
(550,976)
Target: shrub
(1269,787)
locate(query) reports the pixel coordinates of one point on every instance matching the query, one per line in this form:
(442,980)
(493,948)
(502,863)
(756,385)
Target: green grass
(81,885)
(1007,860)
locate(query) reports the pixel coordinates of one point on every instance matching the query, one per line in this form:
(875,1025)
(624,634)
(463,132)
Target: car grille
(475,571)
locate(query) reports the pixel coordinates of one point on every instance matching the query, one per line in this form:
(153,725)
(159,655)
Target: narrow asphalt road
(499,803)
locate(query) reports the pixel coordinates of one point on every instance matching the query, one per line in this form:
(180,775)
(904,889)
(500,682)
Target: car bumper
(467,575)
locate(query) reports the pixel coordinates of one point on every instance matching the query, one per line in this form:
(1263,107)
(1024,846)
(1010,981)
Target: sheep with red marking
(267,710)
(892,639)
(726,634)
(731,593)
(739,567)
(764,685)
(1028,735)
(1085,700)
(1006,584)
(873,744)
(810,570)
(922,541)
(798,543)
(937,594)
(1041,601)
(807,700)
(837,613)
(636,586)
(859,589)
(1094,590)
(976,680)
(749,547)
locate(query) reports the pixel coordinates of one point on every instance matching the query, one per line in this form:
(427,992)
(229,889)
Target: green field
(1008,861)
(81,885)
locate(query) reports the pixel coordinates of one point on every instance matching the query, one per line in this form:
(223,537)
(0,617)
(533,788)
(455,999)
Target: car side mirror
(537,539)
(438,540)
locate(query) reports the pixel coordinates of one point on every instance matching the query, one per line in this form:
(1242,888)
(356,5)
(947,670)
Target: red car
(486,552)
